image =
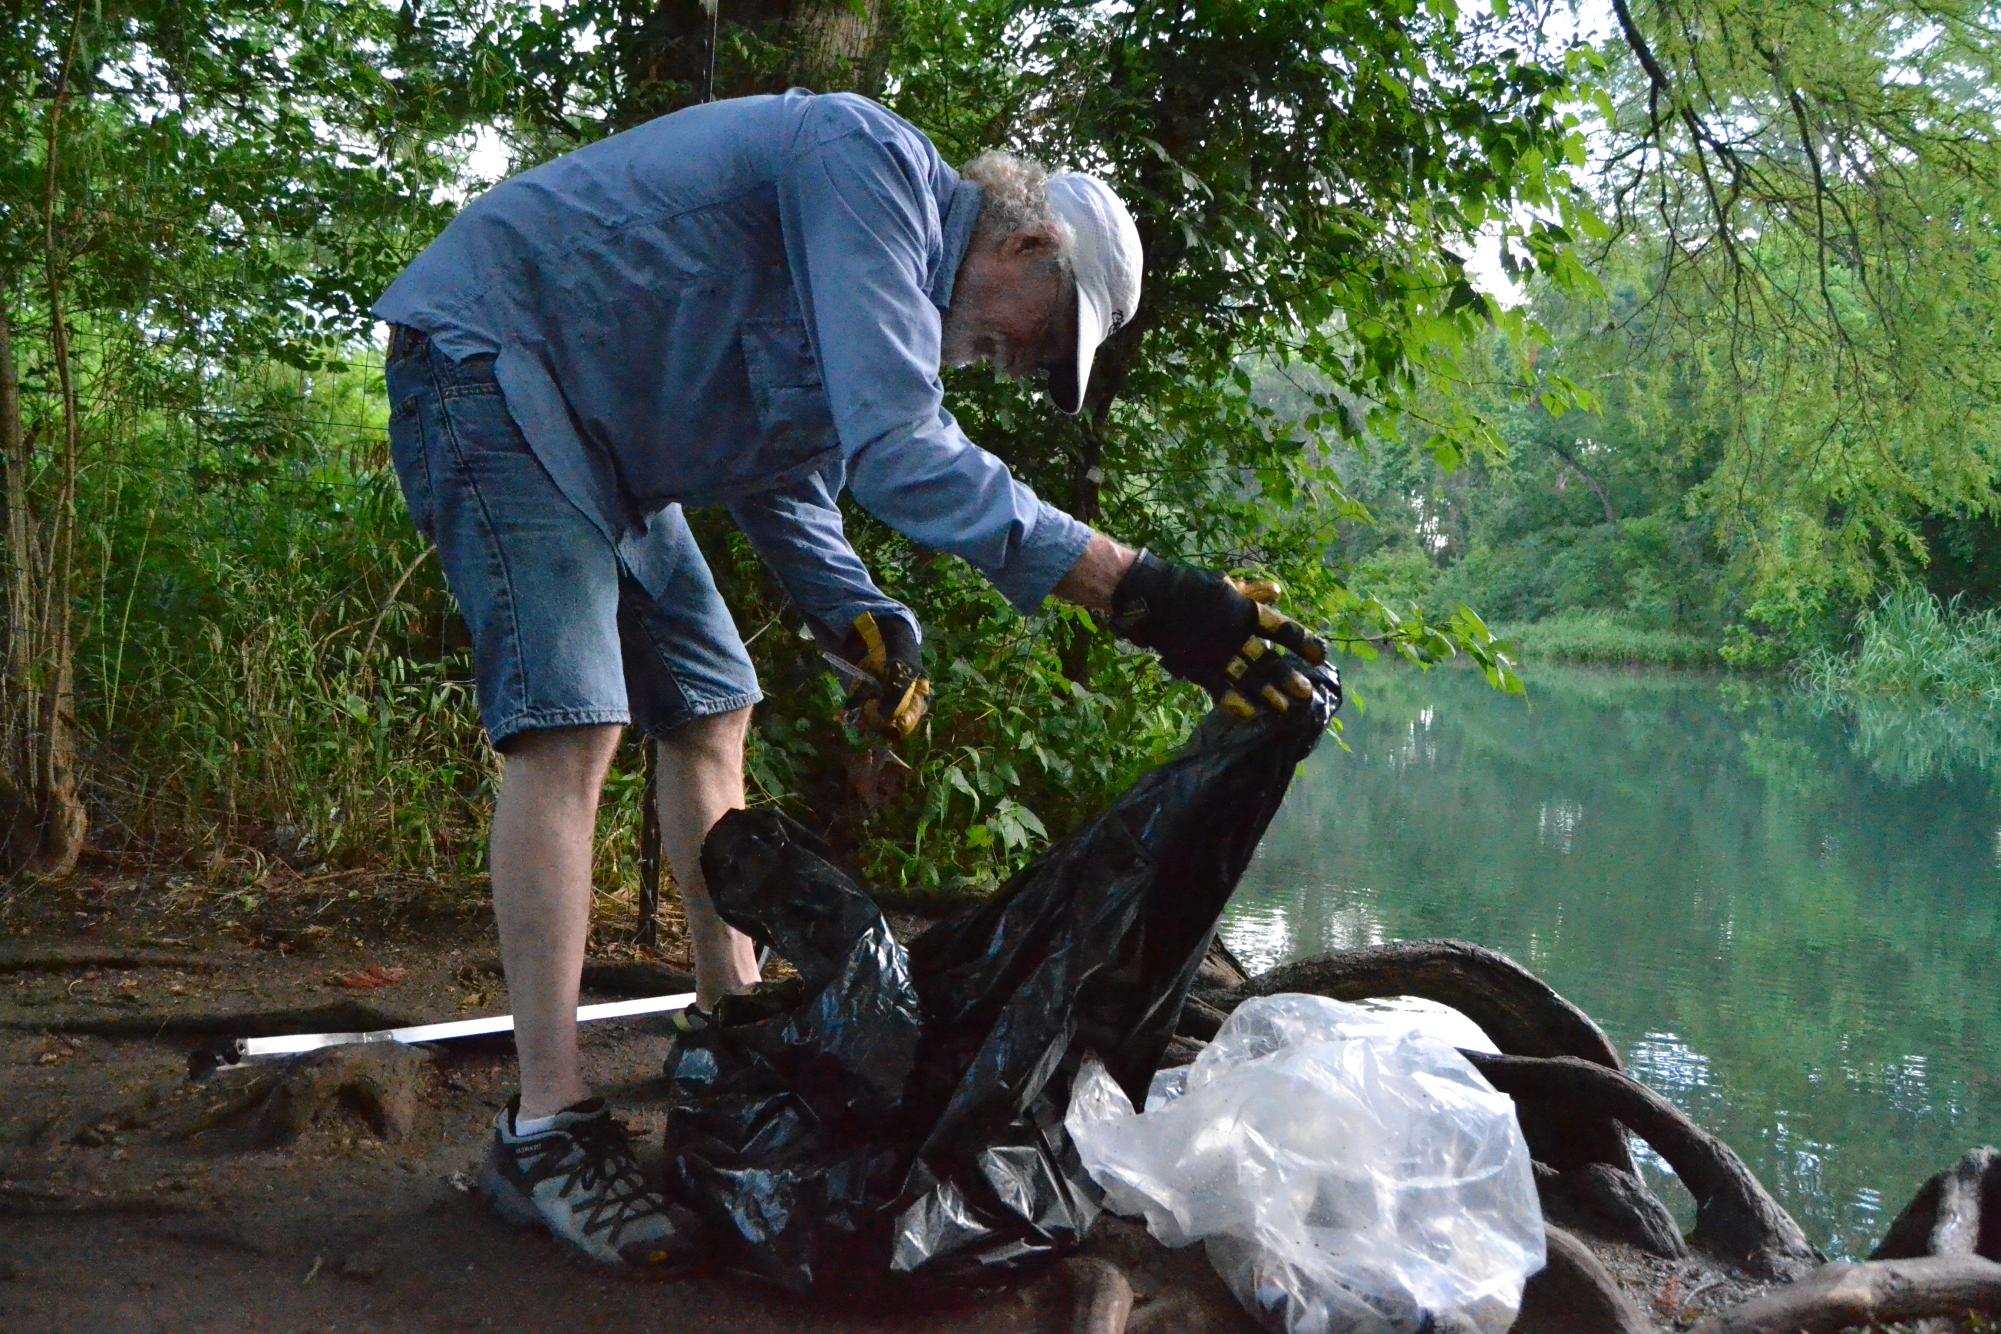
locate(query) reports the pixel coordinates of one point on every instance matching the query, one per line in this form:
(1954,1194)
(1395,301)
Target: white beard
(963,342)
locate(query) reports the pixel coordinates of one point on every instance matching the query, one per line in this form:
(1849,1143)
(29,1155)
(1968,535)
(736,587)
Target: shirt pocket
(793,417)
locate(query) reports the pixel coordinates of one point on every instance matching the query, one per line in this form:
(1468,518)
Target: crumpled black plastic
(898,1113)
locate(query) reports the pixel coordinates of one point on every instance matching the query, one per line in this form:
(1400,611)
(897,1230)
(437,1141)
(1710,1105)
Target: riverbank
(335,1191)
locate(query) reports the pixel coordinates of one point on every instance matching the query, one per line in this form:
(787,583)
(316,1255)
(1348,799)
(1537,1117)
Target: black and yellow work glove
(887,692)
(1215,632)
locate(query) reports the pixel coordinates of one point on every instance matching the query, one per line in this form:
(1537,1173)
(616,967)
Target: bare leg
(701,779)
(544,824)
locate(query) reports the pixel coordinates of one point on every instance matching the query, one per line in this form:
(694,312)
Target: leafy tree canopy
(1790,356)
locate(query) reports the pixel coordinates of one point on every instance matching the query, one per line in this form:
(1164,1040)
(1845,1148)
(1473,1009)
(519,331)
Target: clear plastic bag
(1346,1172)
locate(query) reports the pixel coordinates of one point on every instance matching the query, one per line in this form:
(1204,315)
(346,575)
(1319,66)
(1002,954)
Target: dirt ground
(131,1201)
(135,1196)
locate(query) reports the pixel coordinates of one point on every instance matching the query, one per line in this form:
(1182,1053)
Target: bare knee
(715,741)
(566,761)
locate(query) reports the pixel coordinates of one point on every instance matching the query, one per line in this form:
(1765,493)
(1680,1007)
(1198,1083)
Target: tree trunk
(61,817)
(1087,480)
(1087,476)
(647,931)
(678,56)
(1590,480)
(60,810)
(20,820)
(668,60)
(42,819)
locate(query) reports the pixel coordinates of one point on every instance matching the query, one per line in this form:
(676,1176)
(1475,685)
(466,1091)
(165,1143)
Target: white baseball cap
(1105,256)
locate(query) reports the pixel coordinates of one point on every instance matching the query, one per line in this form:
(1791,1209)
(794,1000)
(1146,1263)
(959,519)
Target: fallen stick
(252,1049)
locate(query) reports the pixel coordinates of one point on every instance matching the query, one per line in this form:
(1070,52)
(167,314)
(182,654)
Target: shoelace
(604,1158)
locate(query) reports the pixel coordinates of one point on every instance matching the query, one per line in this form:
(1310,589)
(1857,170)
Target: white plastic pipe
(292,1045)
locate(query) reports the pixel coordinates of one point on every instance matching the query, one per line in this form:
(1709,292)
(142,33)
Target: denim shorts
(563,635)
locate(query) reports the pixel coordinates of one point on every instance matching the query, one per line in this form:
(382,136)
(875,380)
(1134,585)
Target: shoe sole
(508,1201)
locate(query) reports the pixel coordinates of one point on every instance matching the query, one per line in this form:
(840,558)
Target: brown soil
(123,1209)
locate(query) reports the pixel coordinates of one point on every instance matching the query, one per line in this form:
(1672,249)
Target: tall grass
(298,719)
(1910,643)
(1603,637)
(268,661)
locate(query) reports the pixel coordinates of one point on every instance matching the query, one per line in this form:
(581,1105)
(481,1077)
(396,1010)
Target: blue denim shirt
(741,304)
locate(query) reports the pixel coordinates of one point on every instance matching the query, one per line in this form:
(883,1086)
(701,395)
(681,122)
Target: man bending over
(747,304)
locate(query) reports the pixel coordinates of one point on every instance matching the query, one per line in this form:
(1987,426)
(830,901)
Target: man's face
(1011,307)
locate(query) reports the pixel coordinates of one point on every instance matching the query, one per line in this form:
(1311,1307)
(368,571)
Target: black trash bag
(898,1114)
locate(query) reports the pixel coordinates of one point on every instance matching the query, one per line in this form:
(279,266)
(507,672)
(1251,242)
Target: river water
(1785,915)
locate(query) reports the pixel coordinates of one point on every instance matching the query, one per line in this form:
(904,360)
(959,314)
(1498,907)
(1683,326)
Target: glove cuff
(1140,593)
(873,643)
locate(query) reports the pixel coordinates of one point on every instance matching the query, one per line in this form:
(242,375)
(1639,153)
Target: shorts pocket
(410,459)
(472,377)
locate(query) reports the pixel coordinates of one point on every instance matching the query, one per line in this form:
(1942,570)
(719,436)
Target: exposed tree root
(1174,1291)
(1220,970)
(617,977)
(1604,1202)
(1575,1292)
(1957,1212)
(1874,1292)
(30,1202)
(380,1083)
(62,958)
(1101,1297)
(1940,1258)
(1200,1019)
(1736,1219)
(1514,1007)
(1181,1051)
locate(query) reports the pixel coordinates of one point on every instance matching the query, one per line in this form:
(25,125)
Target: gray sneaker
(579,1180)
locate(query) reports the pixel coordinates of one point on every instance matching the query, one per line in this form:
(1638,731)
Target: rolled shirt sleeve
(797,533)
(859,238)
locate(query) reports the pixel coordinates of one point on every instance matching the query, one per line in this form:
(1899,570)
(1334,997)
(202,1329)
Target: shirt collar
(962,212)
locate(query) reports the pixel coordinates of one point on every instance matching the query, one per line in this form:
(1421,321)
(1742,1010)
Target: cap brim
(1068,377)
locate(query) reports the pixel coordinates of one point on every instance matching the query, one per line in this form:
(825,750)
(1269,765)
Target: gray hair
(1014,197)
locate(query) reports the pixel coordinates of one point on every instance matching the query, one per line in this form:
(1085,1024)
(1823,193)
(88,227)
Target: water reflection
(1903,741)
(1556,824)
(1784,913)
(1668,1064)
